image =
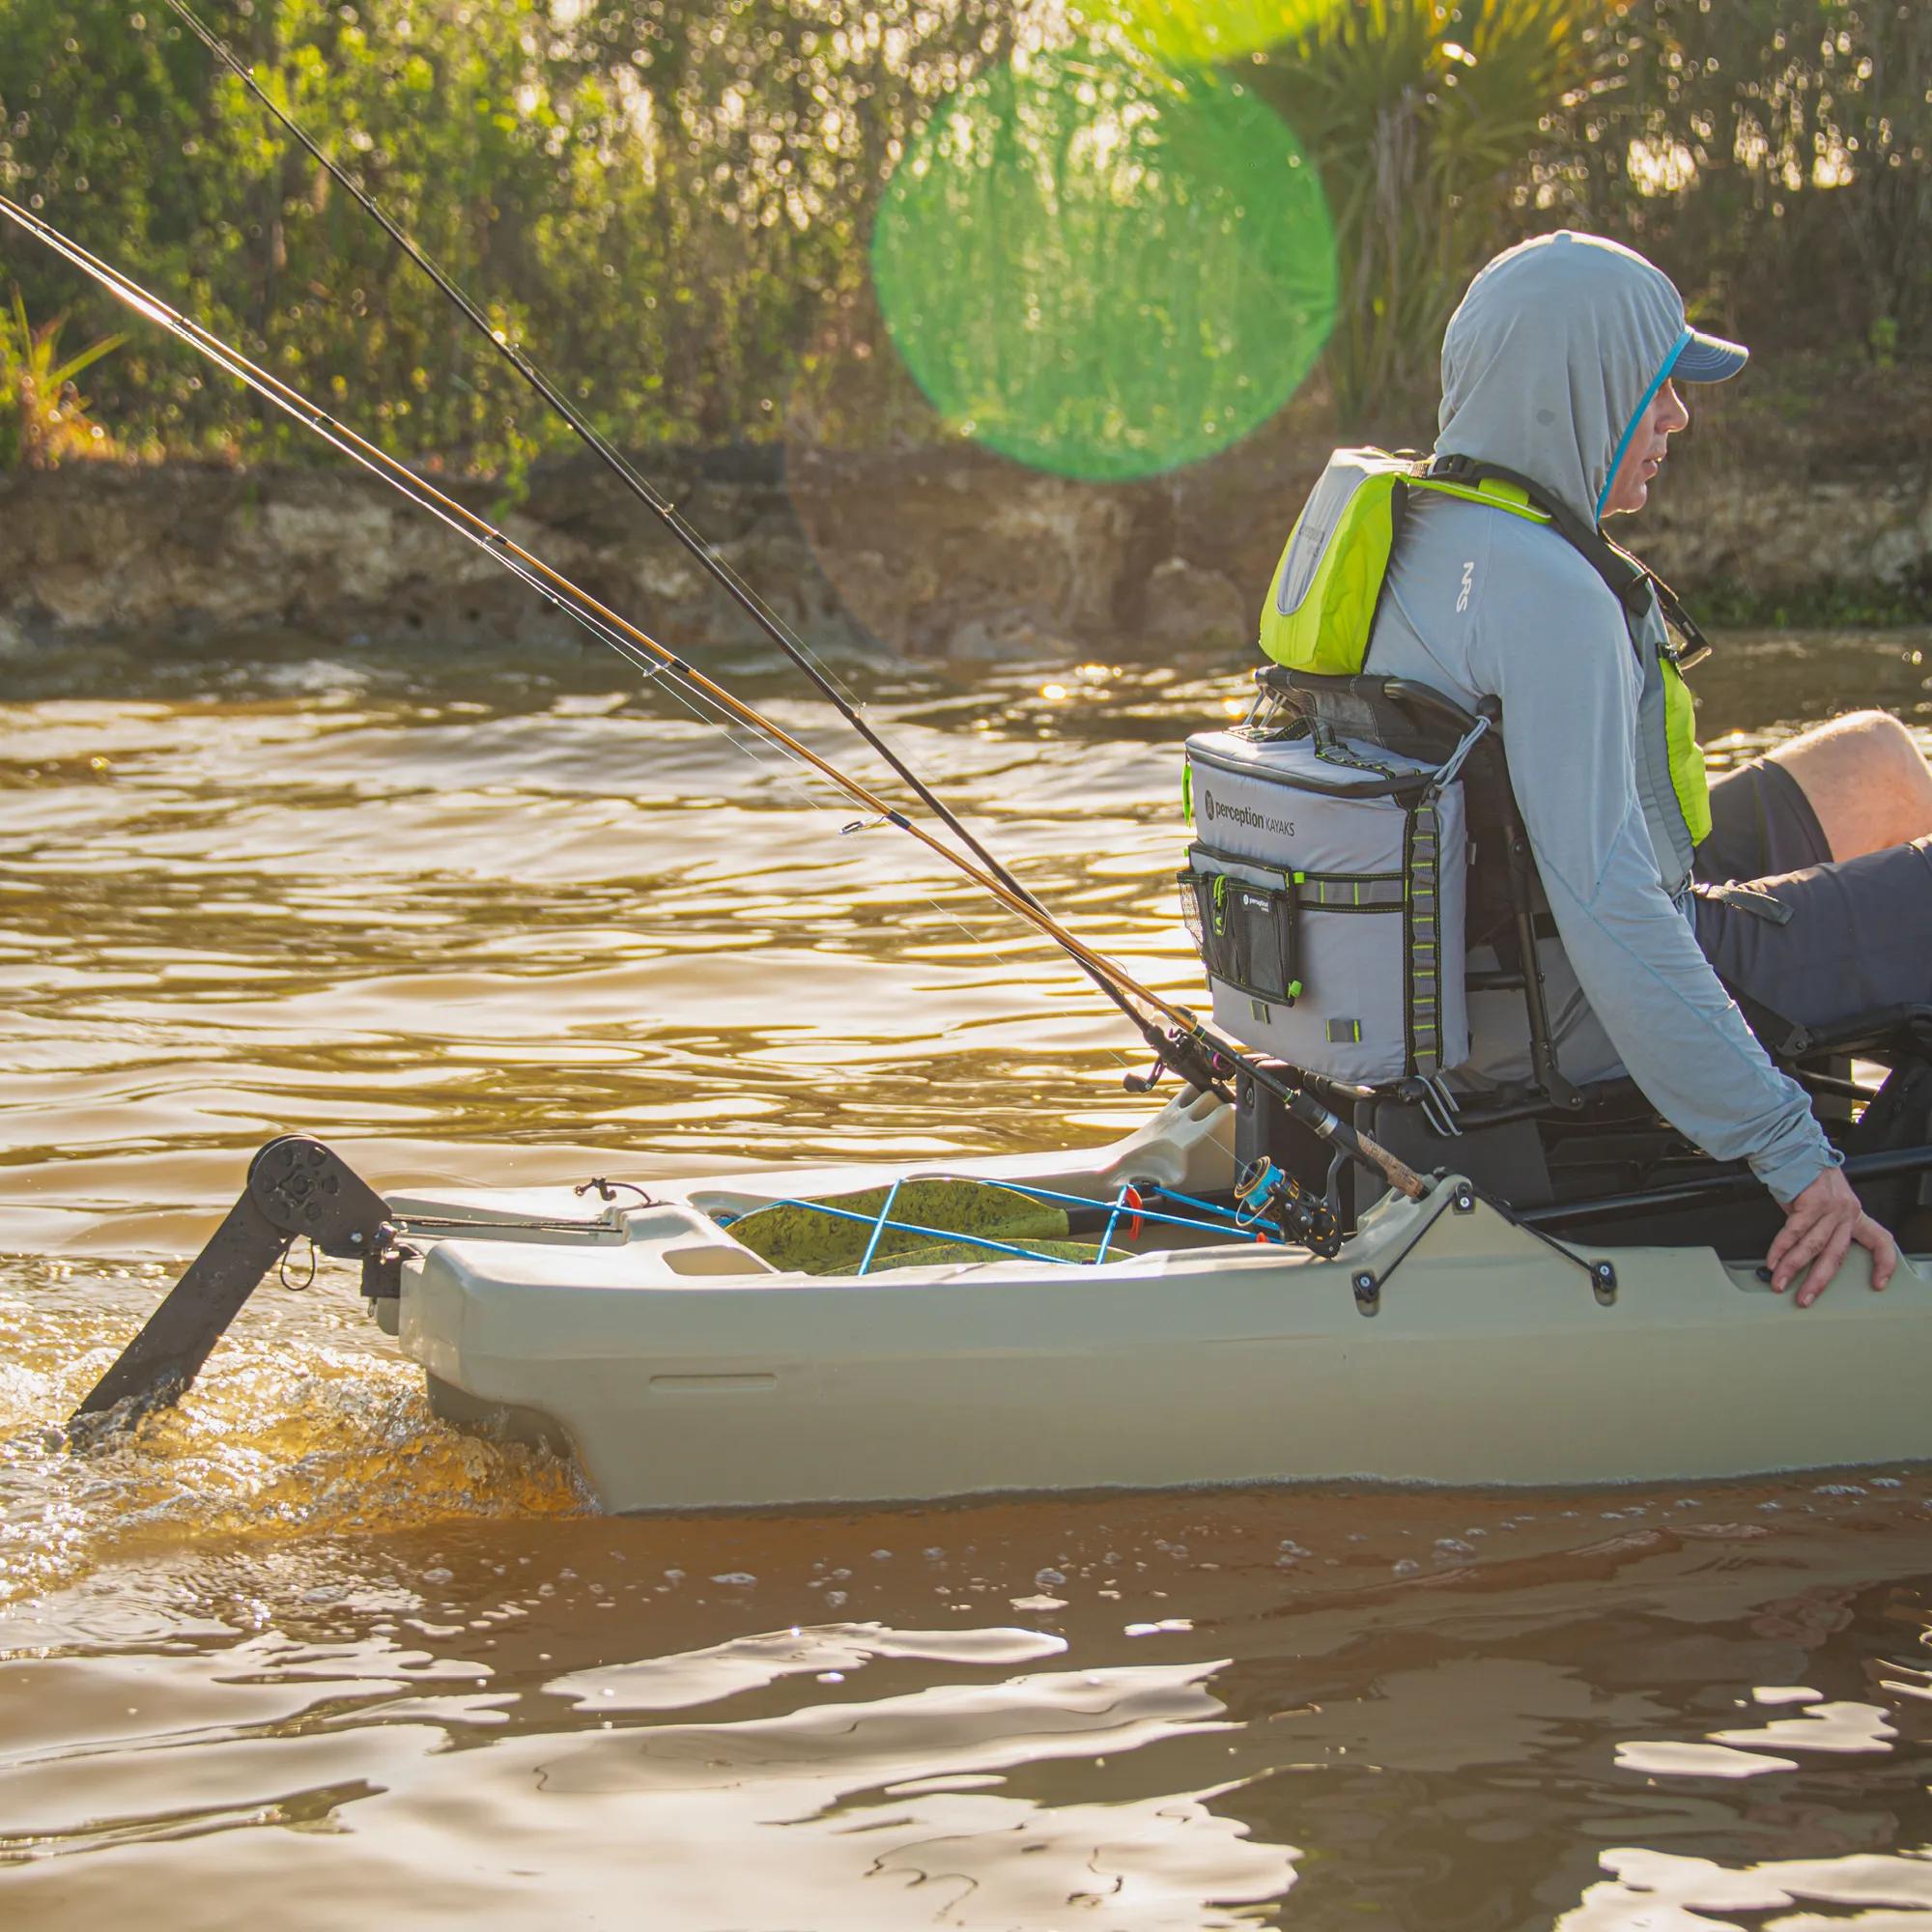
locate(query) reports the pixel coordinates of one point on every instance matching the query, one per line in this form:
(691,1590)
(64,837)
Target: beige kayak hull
(683,1375)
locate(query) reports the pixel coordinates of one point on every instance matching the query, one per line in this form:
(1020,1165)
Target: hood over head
(1556,349)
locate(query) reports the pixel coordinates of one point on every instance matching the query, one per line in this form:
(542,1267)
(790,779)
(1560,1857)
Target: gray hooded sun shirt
(1557,347)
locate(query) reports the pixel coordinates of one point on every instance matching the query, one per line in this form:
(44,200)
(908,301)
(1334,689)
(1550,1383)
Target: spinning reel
(1265,1196)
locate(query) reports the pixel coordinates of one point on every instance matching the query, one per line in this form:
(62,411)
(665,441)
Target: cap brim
(1708,359)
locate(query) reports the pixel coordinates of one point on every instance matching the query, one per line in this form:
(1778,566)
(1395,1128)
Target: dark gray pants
(1842,938)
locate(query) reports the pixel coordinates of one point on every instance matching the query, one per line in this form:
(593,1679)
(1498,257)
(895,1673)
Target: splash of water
(299,1428)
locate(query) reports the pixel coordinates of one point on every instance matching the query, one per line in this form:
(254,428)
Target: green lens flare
(1102,269)
(1185,31)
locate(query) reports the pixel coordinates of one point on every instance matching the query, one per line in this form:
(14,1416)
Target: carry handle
(1395,787)
(1423,702)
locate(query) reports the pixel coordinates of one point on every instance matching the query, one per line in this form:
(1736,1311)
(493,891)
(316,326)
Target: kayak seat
(1549,1139)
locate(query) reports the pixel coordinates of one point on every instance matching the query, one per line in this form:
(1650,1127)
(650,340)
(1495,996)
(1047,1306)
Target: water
(301,1656)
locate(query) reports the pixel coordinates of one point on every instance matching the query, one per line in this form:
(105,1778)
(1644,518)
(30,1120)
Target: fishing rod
(1188,1063)
(647,654)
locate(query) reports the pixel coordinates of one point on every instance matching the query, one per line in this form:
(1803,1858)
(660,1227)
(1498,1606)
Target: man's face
(1645,454)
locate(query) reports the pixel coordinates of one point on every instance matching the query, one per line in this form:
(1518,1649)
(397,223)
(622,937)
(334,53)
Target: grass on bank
(44,417)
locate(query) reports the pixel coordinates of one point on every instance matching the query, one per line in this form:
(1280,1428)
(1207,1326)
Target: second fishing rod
(1190,1064)
(648,654)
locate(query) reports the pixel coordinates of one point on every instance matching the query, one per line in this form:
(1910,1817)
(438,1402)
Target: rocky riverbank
(933,554)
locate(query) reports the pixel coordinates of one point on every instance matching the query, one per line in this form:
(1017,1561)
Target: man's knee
(1882,732)
(1865,779)
(1862,747)
(1893,756)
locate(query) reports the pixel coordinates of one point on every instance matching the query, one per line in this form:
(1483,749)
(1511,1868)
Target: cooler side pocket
(1262,918)
(1452,919)
(1243,926)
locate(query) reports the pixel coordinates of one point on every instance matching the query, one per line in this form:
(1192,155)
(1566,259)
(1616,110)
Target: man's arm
(1551,641)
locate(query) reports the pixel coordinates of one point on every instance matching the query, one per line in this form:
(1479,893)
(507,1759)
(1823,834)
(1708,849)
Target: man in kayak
(1566,363)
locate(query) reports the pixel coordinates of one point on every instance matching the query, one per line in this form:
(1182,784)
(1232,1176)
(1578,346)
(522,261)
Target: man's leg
(1856,937)
(1866,781)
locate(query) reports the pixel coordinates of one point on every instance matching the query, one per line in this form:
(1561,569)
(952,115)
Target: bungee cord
(1191,1039)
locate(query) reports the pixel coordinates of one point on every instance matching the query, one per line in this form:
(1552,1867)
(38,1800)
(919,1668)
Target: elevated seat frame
(1548,1142)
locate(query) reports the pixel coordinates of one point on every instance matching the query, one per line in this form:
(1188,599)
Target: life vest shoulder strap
(1629,578)
(1493,492)
(1626,579)
(1634,583)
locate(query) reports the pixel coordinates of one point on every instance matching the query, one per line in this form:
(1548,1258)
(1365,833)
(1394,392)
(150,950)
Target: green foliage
(670,200)
(1829,605)
(666,197)
(1425,115)
(1775,155)
(44,418)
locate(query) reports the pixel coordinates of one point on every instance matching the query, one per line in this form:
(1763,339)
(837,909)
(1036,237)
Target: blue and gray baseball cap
(1707,358)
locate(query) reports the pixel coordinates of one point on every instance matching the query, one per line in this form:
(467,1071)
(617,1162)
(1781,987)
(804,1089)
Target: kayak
(760,1339)
(1447,1343)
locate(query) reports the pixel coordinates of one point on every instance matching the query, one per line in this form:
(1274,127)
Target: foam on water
(301,1427)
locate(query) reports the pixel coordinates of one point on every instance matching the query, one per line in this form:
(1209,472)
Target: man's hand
(1819,1226)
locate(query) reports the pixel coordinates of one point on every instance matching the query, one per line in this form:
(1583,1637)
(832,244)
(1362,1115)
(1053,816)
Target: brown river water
(298,1656)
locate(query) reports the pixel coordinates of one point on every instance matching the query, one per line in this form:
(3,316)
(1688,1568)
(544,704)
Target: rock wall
(935,553)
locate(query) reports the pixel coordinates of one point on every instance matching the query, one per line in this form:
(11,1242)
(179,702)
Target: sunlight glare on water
(298,1654)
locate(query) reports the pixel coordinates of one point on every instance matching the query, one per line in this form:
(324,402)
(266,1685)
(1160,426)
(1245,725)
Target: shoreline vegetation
(945,554)
(676,205)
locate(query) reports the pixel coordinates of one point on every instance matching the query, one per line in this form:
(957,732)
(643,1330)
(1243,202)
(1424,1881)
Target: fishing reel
(1200,1063)
(1263,1195)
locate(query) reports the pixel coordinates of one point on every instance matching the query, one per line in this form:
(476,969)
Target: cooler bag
(1326,891)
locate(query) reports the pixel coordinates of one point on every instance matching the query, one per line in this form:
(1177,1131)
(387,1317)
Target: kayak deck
(1446,1345)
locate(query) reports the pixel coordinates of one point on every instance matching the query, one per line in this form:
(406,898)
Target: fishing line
(1191,1041)
(660,506)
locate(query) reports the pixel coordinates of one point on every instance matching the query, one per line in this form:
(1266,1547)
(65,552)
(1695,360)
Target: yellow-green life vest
(1689,779)
(1326,588)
